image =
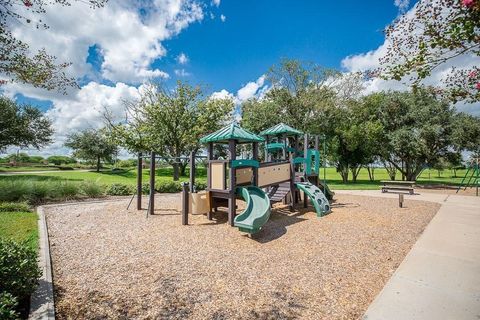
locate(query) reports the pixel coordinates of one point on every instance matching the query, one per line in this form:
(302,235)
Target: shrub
(8,306)
(92,189)
(19,271)
(38,191)
(64,168)
(126,163)
(14,207)
(200,186)
(119,189)
(168,186)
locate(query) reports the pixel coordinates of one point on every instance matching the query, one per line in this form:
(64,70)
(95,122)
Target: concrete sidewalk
(440,276)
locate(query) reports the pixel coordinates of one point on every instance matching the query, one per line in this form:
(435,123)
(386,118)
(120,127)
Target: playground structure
(472,176)
(286,171)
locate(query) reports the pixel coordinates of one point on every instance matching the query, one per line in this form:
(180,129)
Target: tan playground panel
(198,202)
(217,175)
(273,174)
(244,175)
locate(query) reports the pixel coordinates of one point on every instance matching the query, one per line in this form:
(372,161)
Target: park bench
(398,186)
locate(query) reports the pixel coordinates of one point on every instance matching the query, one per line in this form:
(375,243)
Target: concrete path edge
(42,305)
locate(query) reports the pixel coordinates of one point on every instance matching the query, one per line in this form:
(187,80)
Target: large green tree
(92,145)
(170,122)
(418,129)
(23,126)
(431,35)
(17,62)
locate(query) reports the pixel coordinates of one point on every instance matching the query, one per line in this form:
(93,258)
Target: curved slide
(257,211)
(320,202)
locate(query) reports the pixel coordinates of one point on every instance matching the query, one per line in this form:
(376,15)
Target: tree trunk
(175,172)
(355,172)
(371,173)
(98,164)
(183,168)
(391,170)
(343,170)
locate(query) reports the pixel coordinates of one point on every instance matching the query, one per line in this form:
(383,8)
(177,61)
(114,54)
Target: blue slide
(257,210)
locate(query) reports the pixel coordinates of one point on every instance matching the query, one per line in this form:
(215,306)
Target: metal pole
(192,171)
(209,183)
(255,157)
(139,181)
(231,199)
(185,203)
(324,163)
(151,206)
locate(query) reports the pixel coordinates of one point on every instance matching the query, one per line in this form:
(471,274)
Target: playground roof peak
(231,132)
(281,128)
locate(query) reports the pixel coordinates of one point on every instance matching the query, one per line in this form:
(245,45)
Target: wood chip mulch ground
(110,263)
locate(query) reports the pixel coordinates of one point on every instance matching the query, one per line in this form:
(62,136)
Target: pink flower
(477,86)
(468,3)
(472,74)
(28,3)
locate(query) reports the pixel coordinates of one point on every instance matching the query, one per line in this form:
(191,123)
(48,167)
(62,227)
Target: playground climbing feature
(290,166)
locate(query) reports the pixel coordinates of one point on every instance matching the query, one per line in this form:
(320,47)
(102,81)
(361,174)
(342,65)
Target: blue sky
(224,45)
(257,34)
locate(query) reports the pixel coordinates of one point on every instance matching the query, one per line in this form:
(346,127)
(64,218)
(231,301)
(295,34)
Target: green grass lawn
(19,226)
(165,174)
(128,176)
(30,168)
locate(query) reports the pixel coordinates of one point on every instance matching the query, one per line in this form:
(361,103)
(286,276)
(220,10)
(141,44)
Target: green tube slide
(321,204)
(257,210)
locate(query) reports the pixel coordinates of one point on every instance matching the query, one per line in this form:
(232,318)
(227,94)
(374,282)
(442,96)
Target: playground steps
(279,192)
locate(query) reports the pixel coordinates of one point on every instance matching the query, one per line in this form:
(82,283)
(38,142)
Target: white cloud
(182,58)
(85,110)
(250,89)
(216,2)
(402,5)
(129,41)
(223,18)
(370,60)
(223,94)
(181,73)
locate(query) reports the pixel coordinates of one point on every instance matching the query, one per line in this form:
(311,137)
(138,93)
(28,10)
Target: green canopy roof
(231,132)
(281,128)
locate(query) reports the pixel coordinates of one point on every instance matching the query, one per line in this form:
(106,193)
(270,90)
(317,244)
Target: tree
(434,33)
(16,62)
(23,126)
(418,130)
(92,145)
(59,160)
(170,122)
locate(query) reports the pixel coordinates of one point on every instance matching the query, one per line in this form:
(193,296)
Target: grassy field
(19,226)
(165,174)
(30,168)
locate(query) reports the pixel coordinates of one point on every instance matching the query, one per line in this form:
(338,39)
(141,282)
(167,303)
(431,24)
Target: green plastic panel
(244,163)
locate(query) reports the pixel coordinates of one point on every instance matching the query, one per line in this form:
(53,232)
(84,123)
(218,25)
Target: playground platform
(440,276)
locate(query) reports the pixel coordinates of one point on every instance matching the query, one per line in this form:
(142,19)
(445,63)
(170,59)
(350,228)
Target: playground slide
(320,202)
(257,211)
(326,191)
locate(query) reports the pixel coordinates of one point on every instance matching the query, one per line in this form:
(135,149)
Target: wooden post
(255,157)
(284,147)
(231,199)
(192,171)
(151,207)
(139,181)
(185,203)
(316,142)
(400,200)
(209,178)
